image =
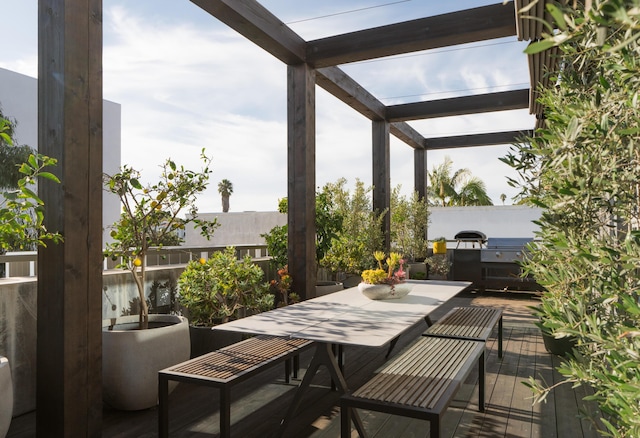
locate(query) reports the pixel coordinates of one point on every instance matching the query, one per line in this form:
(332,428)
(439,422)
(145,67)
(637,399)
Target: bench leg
(296,365)
(434,428)
(287,370)
(225,412)
(481,382)
(500,337)
(163,406)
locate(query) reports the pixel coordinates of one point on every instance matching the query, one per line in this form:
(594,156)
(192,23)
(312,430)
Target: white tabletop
(348,317)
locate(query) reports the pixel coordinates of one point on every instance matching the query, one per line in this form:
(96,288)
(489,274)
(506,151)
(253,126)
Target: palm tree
(459,188)
(503,198)
(225,188)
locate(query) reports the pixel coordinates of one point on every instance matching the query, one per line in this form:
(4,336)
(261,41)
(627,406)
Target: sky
(186,81)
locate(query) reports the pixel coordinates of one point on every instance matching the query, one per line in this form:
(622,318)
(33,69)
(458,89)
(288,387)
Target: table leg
(323,355)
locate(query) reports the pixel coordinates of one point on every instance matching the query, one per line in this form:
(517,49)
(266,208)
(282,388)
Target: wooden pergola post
(382,177)
(301,178)
(69,344)
(420,172)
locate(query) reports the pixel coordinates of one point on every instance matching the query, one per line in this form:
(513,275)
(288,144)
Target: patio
(260,401)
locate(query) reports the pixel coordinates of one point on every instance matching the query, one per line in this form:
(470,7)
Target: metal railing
(24,264)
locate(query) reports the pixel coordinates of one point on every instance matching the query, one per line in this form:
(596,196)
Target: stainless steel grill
(504,250)
(500,263)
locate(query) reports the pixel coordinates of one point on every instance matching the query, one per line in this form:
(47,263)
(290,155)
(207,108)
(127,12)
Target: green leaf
(50,176)
(558,16)
(135,183)
(539,46)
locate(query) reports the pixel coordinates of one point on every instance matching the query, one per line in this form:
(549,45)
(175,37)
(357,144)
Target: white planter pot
(327,287)
(131,358)
(6,400)
(385,291)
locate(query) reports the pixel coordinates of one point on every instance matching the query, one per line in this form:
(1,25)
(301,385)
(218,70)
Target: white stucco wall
(19,101)
(241,228)
(493,221)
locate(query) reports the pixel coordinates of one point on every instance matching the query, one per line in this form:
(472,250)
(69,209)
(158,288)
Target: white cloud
(185,83)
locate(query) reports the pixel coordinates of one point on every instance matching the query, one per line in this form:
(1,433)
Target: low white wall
(241,228)
(493,221)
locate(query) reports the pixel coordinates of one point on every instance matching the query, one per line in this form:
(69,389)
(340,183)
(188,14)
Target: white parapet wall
(493,221)
(241,228)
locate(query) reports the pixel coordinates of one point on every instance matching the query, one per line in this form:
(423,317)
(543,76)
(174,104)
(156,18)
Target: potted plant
(380,283)
(21,225)
(217,290)
(132,355)
(351,251)
(439,266)
(281,288)
(440,245)
(328,223)
(409,221)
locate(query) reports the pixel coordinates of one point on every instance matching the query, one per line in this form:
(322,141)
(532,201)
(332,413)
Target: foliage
(582,168)
(393,274)
(218,289)
(353,247)
(409,221)
(11,156)
(281,288)
(439,264)
(151,213)
(21,210)
(225,188)
(328,224)
(459,188)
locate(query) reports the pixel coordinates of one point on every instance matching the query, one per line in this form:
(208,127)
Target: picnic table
(346,318)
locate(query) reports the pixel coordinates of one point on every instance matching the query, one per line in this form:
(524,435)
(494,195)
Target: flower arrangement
(394,273)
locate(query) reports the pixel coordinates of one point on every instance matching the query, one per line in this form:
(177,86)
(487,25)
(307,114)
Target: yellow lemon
(202,261)
(137,262)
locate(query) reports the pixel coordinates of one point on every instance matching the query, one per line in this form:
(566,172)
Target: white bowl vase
(6,400)
(385,291)
(131,358)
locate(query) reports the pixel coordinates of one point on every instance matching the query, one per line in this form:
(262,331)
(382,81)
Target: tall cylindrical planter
(131,358)
(440,247)
(6,399)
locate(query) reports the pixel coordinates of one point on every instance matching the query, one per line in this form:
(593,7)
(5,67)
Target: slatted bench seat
(472,323)
(420,382)
(224,368)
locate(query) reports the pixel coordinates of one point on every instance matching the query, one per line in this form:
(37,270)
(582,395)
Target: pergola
(70,128)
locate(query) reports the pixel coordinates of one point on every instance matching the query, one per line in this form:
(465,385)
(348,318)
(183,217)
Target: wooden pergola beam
(488,139)
(343,87)
(471,25)
(455,106)
(408,135)
(251,20)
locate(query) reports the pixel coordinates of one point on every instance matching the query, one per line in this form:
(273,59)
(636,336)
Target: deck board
(259,403)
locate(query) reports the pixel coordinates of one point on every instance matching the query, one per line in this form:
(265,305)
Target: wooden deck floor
(259,403)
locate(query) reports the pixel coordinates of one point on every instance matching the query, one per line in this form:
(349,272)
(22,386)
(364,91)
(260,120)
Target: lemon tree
(151,214)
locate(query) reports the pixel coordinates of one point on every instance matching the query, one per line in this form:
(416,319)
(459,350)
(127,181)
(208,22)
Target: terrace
(69,341)
(259,402)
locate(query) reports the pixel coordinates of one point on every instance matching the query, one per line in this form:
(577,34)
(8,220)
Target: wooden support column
(301,178)
(420,172)
(382,177)
(69,345)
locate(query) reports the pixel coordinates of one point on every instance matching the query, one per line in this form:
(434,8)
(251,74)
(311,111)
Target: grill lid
(470,236)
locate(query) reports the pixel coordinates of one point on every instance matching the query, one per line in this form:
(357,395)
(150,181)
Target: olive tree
(583,169)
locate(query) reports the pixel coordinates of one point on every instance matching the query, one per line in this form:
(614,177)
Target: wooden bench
(224,368)
(420,382)
(472,323)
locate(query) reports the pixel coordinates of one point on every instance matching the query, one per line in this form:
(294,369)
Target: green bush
(582,168)
(222,288)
